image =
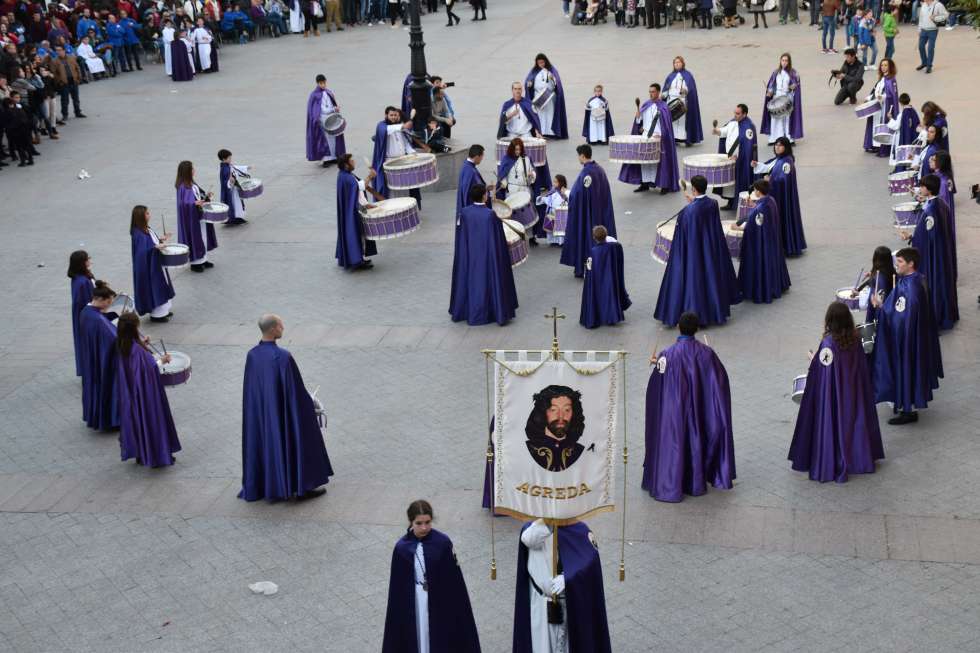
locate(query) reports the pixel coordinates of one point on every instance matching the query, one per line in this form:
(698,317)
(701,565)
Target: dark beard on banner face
(558,429)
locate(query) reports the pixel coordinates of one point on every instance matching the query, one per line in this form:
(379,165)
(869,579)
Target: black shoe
(450,24)
(664,191)
(920,67)
(80,115)
(642,188)
(928,69)
(62,121)
(160,319)
(312,494)
(21,164)
(208,264)
(904,418)
(197,267)
(366,264)
(457,20)
(533,242)
(327,164)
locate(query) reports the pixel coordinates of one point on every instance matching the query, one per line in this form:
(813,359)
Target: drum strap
(653,125)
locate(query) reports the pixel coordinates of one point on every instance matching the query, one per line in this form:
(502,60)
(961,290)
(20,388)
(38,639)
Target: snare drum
(661,246)
(516,242)
(907,153)
(677,108)
(599,115)
(882,135)
(175,255)
(718,169)
(733,237)
(177,371)
(844,297)
(867,109)
(799,387)
(411,171)
(392,218)
(215,212)
(501,209)
(249,187)
(867,333)
(537,150)
(334,124)
(522,209)
(745,205)
(123,303)
(636,149)
(779,106)
(906,214)
(902,183)
(561,220)
(543,99)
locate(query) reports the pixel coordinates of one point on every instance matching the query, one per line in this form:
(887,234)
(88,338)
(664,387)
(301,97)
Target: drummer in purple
(700,277)
(589,205)
(283,455)
(837,430)
(517,116)
(653,119)
(192,230)
(320,145)
(352,247)
(908,362)
(152,288)
(762,272)
(392,138)
(483,289)
(738,139)
(689,442)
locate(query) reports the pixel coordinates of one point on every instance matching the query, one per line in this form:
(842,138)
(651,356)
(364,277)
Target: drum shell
(906,214)
(634,150)
(733,237)
(901,183)
(677,108)
(867,109)
(411,171)
(215,212)
(779,106)
(882,135)
(662,243)
(391,218)
(799,387)
(718,169)
(179,255)
(515,235)
(334,126)
(175,375)
(561,221)
(249,190)
(843,295)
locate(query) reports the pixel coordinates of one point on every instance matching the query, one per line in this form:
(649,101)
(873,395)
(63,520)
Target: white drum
(516,242)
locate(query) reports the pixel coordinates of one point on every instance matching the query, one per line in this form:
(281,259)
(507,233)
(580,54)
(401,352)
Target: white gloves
(558,584)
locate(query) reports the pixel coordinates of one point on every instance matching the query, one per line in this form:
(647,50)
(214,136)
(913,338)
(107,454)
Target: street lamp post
(421,98)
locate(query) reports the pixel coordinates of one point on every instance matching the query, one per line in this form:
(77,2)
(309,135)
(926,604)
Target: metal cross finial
(554,317)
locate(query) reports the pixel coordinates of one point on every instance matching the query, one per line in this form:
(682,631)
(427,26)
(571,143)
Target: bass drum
(677,108)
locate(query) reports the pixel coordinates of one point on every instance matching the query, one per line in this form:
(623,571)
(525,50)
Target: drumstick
(164,345)
(163,219)
(860,274)
(705,336)
(656,342)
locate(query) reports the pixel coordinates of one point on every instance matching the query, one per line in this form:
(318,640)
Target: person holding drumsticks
(517,116)
(886,93)
(321,146)
(352,248)
(152,288)
(541,78)
(653,121)
(191,229)
(516,173)
(392,139)
(784,82)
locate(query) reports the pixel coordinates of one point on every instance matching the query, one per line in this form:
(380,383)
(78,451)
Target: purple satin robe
(604,296)
(100,402)
(692,118)
(932,238)
(151,281)
(317,145)
(189,225)
(81,295)
(146,426)
(559,121)
(795,118)
(589,205)
(762,272)
(483,289)
(668,174)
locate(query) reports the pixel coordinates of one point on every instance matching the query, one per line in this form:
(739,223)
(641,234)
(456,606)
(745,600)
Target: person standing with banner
(589,205)
(689,441)
(577,620)
(428,603)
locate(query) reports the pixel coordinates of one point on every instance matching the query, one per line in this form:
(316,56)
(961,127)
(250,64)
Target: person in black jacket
(851,77)
(17,123)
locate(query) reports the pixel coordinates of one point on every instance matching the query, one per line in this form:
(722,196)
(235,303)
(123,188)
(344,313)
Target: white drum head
(392,206)
(176,248)
(518,199)
(707,160)
(502,209)
(179,362)
(250,183)
(731,229)
(214,207)
(667,231)
(513,230)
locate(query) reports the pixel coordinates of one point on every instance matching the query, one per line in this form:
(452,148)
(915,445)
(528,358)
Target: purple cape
(942,125)
(407,97)
(668,175)
(317,145)
(795,118)
(947,193)
(224,174)
(837,429)
(542,182)
(891,111)
(469,176)
(189,225)
(907,132)
(151,282)
(81,295)
(907,360)
(180,65)
(689,440)
(927,152)
(588,118)
(351,245)
(604,296)
(483,289)
(589,205)
(100,407)
(782,188)
(881,285)
(762,272)
(692,119)
(585,600)
(146,427)
(528,110)
(748,151)
(283,454)
(378,157)
(452,628)
(559,121)
(700,276)
(932,238)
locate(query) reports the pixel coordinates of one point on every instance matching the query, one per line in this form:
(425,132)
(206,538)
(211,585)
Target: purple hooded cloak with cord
(795,118)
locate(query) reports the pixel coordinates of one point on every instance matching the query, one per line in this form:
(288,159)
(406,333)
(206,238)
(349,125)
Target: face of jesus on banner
(554,427)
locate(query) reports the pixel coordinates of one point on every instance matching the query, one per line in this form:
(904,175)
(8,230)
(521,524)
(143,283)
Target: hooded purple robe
(589,205)
(151,281)
(668,175)
(483,289)
(795,118)
(146,426)
(588,119)
(891,108)
(81,295)
(189,225)
(692,118)
(180,63)
(783,189)
(700,276)
(947,193)
(932,238)
(837,430)
(689,441)
(352,247)
(100,402)
(317,145)
(604,296)
(762,272)
(559,121)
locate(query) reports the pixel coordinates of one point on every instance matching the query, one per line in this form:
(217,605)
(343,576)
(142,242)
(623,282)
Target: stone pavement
(96,555)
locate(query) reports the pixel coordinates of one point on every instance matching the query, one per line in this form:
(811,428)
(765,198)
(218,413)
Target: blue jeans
(565,6)
(829,25)
(889,46)
(927,46)
(873,46)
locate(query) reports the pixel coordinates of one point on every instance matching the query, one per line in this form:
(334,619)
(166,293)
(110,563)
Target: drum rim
(391,202)
(330,117)
(634,138)
(897,207)
(707,157)
(174,357)
(517,195)
(250,183)
(529,141)
(204,207)
(516,229)
(903,175)
(180,247)
(409,161)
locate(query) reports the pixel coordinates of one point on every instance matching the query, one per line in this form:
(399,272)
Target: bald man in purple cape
(552,117)
(700,277)
(908,362)
(589,205)
(584,625)
(604,296)
(934,242)
(689,441)
(653,119)
(837,430)
(283,455)
(517,116)
(321,146)
(762,272)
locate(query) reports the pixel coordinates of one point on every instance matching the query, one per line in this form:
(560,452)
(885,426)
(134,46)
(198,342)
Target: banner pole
(622,544)
(493,507)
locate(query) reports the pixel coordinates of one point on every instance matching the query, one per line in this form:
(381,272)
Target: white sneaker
(949,27)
